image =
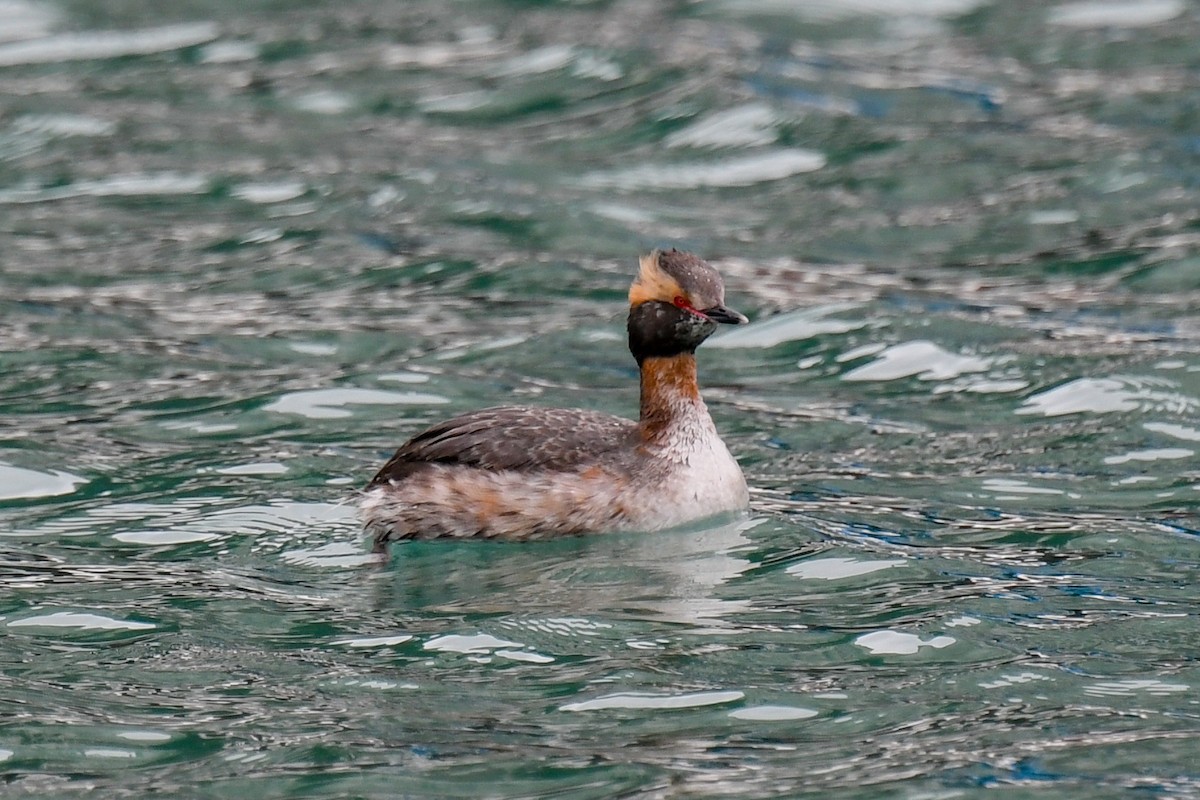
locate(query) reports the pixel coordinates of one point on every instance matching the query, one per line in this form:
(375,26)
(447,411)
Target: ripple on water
(283,659)
(335,555)
(654,702)
(281,526)
(745,170)
(329,403)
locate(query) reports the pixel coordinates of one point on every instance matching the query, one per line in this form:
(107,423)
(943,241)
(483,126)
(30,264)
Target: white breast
(700,477)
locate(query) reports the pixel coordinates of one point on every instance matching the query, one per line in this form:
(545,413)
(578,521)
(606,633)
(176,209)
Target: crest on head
(676,277)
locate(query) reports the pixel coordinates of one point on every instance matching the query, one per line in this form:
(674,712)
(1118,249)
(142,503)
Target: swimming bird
(522,472)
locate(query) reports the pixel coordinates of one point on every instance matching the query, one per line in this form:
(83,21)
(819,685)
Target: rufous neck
(669,388)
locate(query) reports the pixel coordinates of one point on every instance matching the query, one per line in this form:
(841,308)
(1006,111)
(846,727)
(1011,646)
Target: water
(247,250)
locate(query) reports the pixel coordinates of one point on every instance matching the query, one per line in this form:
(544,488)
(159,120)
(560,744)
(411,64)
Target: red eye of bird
(685,304)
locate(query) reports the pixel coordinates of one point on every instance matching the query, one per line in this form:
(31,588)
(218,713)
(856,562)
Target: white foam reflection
(83,621)
(1134,686)
(1119,14)
(25,20)
(64,125)
(841,9)
(258,468)
(1058,216)
(654,702)
(329,403)
(313,348)
(926,360)
(899,643)
(162,538)
(484,644)
(1005,681)
(832,569)
(131,185)
(376,641)
(975,385)
(19,483)
(198,427)
(1155,454)
(861,351)
(229,51)
(744,126)
(539,60)
(87,45)
(1106,396)
(144,736)
(746,170)
(1014,486)
(403,377)
(773,713)
(440,55)
(267,192)
(590,65)
(323,101)
(525,655)
(1182,432)
(474,643)
(108,752)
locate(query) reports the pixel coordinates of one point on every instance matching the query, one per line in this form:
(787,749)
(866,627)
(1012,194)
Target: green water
(247,249)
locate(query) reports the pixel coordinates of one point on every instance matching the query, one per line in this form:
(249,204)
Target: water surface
(247,250)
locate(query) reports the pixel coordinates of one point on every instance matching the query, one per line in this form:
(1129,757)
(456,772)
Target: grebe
(520,473)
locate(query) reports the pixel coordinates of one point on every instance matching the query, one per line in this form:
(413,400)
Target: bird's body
(521,473)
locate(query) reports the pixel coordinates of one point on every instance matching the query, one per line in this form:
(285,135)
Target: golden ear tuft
(652,283)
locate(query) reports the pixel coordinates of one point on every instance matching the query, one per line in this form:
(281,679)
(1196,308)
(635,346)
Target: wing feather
(511,438)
